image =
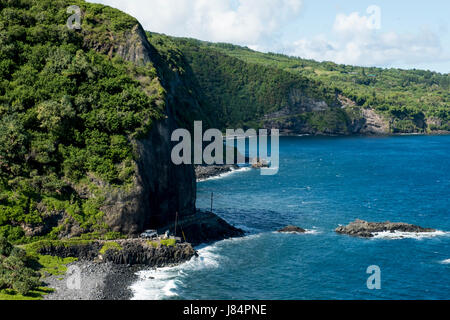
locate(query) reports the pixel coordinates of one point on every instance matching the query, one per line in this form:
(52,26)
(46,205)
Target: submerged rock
(361,228)
(292,229)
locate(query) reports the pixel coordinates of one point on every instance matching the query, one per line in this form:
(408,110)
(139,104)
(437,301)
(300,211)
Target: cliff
(161,188)
(86,147)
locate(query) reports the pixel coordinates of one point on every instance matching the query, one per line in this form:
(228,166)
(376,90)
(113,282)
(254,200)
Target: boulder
(292,229)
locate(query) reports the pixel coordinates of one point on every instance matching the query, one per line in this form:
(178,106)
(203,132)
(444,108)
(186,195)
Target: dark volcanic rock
(83,251)
(141,253)
(361,228)
(204,227)
(205,172)
(131,252)
(292,229)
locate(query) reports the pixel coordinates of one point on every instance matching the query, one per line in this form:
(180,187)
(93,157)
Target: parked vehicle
(149,234)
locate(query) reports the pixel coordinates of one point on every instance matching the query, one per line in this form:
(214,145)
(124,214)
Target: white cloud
(356,41)
(263,25)
(247,22)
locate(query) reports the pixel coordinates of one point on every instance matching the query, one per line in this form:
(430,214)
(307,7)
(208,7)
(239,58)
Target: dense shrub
(231,75)
(14,271)
(65,110)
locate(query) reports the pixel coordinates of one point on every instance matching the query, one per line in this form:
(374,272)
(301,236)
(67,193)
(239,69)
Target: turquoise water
(322,183)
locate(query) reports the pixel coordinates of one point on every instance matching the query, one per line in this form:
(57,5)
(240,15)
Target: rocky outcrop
(142,253)
(209,171)
(361,228)
(131,45)
(203,227)
(308,116)
(83,250)
(127,252)
(161,188)
(293,229)
(369,123)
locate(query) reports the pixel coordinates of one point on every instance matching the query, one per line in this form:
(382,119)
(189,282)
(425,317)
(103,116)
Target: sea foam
(408,235)
(163,283)
(226,174)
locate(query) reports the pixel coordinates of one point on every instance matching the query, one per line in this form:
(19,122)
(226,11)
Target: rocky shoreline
(99,281)
(203,227)
(109,274)
(108,268)
(210,171)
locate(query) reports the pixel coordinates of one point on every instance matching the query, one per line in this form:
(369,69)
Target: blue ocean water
(324,182)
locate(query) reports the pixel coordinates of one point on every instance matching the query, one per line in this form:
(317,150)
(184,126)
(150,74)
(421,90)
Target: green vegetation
(162,242)
(22,267)
(53,265)
(35,247)
(110,246)
(240,85)
(36,294)
(235,93)
(168,242)
(154,244)
(71,109)
(16,273)
(68,114)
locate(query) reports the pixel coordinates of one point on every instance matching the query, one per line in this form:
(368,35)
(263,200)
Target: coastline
(99,281)
(205,173)
(111,278)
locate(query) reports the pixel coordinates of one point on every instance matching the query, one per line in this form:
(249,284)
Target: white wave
(162,283)
(312,231)
(225,174)
(307,231)
(447,261)
(407,235)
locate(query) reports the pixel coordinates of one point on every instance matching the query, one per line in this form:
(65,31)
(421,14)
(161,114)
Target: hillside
(85,123)
(86,116)
(250,88)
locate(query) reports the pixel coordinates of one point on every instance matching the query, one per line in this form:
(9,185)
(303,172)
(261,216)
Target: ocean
(324,182)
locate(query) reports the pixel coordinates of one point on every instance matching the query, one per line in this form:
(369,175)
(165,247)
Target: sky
(383,33)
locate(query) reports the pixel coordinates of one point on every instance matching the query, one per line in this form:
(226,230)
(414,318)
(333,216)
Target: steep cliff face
(161,189)
(306,115)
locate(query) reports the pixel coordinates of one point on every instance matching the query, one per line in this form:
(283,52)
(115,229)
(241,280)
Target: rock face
(361,228)
(205,172)
(140,253)
(203,227)
(292,229)
(374,123)
(129,252)
(160,188)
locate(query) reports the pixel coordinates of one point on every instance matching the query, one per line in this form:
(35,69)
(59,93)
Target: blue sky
(401,33)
